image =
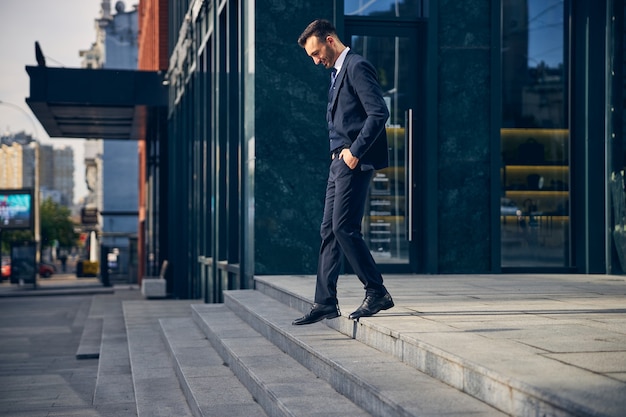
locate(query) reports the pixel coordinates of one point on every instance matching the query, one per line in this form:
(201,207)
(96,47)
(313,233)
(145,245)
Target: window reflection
(384,222)
(380,8)
(535,137)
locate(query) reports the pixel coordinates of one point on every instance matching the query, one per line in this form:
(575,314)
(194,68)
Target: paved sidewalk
(574,323)
(57,284)
(39,373)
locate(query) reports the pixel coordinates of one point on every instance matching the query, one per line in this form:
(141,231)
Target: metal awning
(94,103)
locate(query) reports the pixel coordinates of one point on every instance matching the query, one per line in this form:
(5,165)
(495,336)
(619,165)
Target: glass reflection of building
(535,135)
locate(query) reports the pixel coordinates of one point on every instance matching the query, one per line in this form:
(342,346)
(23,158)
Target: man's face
(321,52)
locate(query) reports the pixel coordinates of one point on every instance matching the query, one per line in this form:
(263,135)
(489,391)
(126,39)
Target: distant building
(17,156)
(11,165)
(111,166)
(54,195)
(63,174)
(56,167)
(46,167)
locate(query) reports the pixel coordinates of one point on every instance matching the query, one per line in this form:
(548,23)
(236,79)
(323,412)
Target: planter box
(153,287)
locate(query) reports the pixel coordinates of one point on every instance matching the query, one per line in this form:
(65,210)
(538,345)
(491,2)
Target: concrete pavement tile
(189,356)
(235,410)
(341,348)
(14,356)
(158,389)
(621,376)
(163,409)
(108,410)
(570,338)
(208,371)
(163,393)
(141,372)
(17,331)
(114,388)
(433,399)
(301,401)
(227,383)
(600,362)
(399,324)
(152,360)
(537,371)
(35,407)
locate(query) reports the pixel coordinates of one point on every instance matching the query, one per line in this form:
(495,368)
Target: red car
(6,269)
(46,270)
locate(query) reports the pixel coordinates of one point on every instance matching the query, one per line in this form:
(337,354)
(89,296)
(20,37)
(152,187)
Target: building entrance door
(535,136)
(389,226)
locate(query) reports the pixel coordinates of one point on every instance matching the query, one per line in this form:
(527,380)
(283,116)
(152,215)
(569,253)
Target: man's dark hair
(321,28)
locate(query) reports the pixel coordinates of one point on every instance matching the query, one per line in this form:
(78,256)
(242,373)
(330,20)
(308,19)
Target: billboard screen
(16,209)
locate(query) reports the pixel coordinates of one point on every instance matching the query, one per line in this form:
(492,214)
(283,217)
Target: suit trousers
(346,193)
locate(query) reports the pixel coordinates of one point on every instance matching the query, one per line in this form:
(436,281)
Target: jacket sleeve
(364,81)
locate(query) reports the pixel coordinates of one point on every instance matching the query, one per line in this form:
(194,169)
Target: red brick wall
(153,35)
(153,52)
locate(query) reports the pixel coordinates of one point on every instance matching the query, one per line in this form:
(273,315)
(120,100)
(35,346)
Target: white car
(509,208)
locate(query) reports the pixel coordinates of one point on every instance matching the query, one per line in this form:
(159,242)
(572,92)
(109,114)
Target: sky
(63,28)
(545,40)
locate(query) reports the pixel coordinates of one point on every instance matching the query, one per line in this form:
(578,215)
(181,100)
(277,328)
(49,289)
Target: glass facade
(535,135)
(384,225)
(391,31)
(525,113)
(383,8)
(614,74)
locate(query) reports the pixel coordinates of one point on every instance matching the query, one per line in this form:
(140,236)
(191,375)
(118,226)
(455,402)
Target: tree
(56,225)
(14,236)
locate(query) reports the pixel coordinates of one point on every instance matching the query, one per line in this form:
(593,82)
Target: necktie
(333,77)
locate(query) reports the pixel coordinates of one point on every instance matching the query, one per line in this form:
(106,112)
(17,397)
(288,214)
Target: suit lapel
(339,81)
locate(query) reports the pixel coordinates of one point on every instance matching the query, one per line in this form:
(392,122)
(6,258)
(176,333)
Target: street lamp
(28,115)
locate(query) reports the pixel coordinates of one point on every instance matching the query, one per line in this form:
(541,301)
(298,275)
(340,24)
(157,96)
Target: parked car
(6,269)
(509,208)
(46,270)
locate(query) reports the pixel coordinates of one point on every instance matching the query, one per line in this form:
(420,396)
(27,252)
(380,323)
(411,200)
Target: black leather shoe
(372,305)
(318,312)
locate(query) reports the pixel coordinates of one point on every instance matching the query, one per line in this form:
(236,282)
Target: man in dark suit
(356,117)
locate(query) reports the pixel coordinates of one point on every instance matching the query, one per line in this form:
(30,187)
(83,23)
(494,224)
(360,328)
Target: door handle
(408,173)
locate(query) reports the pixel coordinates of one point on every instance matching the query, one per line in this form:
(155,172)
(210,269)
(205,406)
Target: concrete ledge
(281,385)
(376,381)
(153,287)
(156,385)
(518,378)
(114,383)
(210,387)
(50,291)
(91,339)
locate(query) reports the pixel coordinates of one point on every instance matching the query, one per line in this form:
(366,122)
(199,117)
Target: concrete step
(377,381)
(281,385)
(209,385)
(516,378)
(90,340)
(91,337)
(114,384)
(154,380)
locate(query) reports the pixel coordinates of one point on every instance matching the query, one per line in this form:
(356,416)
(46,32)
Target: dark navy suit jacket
(359,113)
